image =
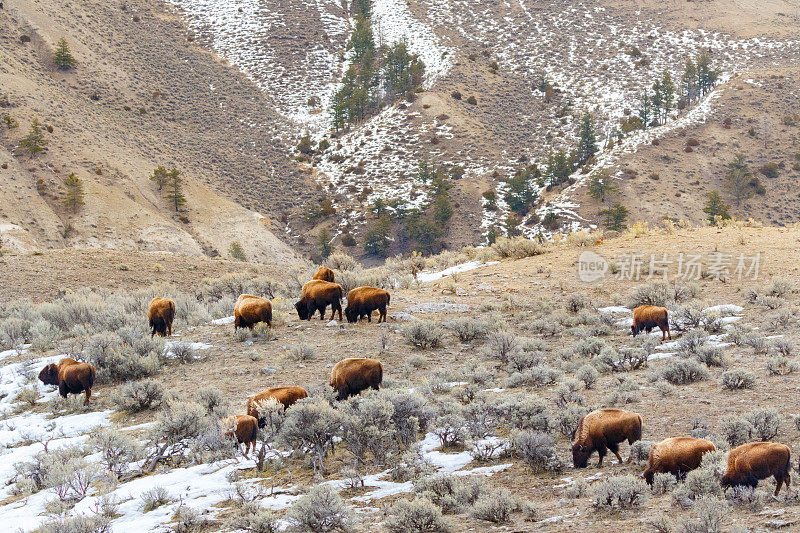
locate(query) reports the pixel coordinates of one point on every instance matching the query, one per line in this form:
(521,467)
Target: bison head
(634,330)
(351,314)
(304,310)
(49,375)
(580,455)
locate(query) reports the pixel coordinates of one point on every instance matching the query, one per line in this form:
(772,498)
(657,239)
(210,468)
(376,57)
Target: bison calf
(324,274)
(362,301)
(751,462)
(318,295)
(283,395)
(604,429)
(71,377)
(250,310)
(351,376)
(677,456)
(647,317)
(245,428)
(161,313)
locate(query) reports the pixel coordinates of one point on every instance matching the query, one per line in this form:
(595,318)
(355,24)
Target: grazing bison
(324,274)
(245,428)
(750,462)
(250,310)
(604,429)
(317,295)
(350,376)
(647,317)
(71,377)
(161,313)
(677,456)
(283,395)
(362,301)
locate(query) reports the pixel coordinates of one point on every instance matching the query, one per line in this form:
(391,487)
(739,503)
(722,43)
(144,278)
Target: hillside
(519,347)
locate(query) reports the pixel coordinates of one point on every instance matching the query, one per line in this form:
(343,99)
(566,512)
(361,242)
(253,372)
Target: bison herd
(598,431)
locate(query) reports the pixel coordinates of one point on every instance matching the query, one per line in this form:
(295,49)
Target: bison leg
(381,314)
(62,389)
(246,449)
(601,452)
(615,450)
(88,392)
(322,310)
(336,306)
(369,317)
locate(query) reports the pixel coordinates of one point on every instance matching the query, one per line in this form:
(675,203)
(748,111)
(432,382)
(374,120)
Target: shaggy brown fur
(350,376)
(317,295)
(604,429)
(245,428)
(324,274)
(647,317)
(250,310)
(362,301)
(71,377)
(161,313)
(677,456)
(284,395)
(751,462)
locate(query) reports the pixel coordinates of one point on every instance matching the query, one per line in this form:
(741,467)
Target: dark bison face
(634,330)
(580,456)
(304,310)
(351,315)
(49,375)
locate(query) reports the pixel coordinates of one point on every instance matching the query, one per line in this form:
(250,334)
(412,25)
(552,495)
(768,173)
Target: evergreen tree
(424,171)
(491,200)
(521,192)
(442,210)
(706,76)
(73,197)
(379,207)
(513,225)
(601,186)
(402,72)
(667,94)
(362,42)
(657,100)
(739,179)
(615,216)
(646,108)
(174,186)
(237,251)
(63,58)
(587,140)
(424,231)
(159,177)
(559,167)
(361,7)
(715,208)
(34,142)
(324,242)
(376,240)
(491,235)
(689,81)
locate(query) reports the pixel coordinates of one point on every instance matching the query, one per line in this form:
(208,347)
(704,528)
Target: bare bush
(738,378)
(537,450)
(708,517)
(496,506)
(683,371)
(423,335)
(211,398)
(253,518)
(117,450)
(620,493)
(311,425)
(765,424)
(137,396)
(302,352)
(417,516)
(321,510)
(154,498)
(76,524)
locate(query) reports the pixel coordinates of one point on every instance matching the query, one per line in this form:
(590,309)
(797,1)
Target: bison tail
(388,298)
(251,437)
(637,431)
(90,377)
(380,374)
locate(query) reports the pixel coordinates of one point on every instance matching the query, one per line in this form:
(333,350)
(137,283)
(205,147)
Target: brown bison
(250,310)
(647,317)
(71,377)
(161,313)
(750,462)
(283,395)
(604,429)
(677,456)
(317,295)
(350,376)
(324,274)
(362,301)
(245,428)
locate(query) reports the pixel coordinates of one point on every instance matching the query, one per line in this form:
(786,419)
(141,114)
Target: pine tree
(615,216)
(601,186)
(424,171)
(513,225)
(657,100)
(559,167)
(491,235)
(706,76)
(402,72)
(73,197)
(175,189)
(587,140)
(324,243)
(34,142)
(442,210)
(715,208)
(667,94)
(521,192)
(63,58)
(362,42)
(237,251)
(646,108)
(689,81)
(159,177)
(376,240)
(739,179)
